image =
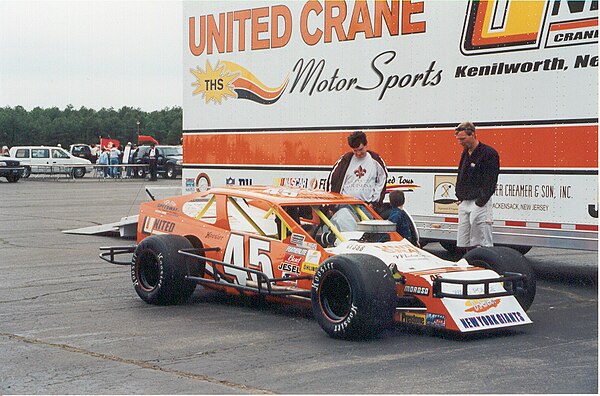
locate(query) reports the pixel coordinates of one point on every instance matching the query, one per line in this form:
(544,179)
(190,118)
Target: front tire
(13,178)
(353,296)
(502,260)
(26,172)
(158,270)
(78,173)
(140,173)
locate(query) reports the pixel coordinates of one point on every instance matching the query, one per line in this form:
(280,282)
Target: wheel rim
(170,172)
(26,172)
(335,296)
(148,270)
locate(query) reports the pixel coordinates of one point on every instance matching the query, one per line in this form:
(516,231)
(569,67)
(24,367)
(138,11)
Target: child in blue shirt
(399,216)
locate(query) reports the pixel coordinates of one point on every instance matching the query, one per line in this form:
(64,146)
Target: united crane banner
(307,64)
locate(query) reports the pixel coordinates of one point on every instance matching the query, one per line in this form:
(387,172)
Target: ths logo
(230,80)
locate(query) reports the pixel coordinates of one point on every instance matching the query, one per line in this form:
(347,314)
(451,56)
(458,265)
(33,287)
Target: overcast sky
(90,53)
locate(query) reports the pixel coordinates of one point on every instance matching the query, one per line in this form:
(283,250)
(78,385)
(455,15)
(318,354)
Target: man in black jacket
(475,184)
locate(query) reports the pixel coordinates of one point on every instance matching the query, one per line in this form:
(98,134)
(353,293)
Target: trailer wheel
(158,271)
(502,260)
(353,296)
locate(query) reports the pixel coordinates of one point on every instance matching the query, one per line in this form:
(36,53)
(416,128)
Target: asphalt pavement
(71,323)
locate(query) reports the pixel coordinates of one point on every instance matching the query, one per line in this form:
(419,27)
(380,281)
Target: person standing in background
(475,184)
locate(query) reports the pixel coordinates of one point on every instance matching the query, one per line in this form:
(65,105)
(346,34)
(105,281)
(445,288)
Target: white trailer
(272,89)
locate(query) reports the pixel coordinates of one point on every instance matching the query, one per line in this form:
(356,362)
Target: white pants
(474,224)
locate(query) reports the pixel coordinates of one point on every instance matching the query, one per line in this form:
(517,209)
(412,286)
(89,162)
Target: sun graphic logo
(228,79)
(214,84)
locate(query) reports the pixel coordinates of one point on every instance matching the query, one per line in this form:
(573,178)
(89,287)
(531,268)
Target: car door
(61,160)
(40,160)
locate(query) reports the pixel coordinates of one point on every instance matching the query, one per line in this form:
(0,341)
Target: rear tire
(78,173)
(502,260)
(158,271)
(353,296)
(170,172)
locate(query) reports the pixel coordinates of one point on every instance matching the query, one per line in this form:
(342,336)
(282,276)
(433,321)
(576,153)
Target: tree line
(53,126)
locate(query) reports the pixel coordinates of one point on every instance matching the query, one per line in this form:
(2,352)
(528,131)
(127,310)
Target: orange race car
(331,251)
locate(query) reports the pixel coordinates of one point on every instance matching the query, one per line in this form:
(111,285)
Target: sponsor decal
(511,25)
(212,235)
(483,321)
(157,226)
(202,182)
(230,181)
(296,250)
(412,318)
(435,320)
(301,182)
(289,269)
(444,195)
(481,305)
(297,239)
(168,206)
(230,80)
(423,291)
(309,268)
(190,184)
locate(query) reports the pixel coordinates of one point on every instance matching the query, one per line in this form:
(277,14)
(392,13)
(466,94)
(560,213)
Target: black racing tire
(158,271)
(170,172)
(519,248)
(502,260)
(78,173)
(353,296)
(26,172)
(450,246)
(140,172)
(13,178)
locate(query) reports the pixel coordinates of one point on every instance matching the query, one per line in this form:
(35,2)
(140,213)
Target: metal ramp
(125,228)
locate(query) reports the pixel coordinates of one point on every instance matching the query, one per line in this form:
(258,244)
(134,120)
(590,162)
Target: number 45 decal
(257,259)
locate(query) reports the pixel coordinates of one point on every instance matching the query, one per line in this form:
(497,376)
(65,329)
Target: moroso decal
(424,291)
(510,25)
(229,79)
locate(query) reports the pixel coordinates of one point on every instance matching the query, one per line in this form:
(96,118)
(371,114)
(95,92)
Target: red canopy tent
(146,139)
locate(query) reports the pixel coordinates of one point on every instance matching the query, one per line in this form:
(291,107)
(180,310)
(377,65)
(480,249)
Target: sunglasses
(463,129)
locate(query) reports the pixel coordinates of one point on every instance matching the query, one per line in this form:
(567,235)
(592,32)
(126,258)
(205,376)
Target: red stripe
(550,225)
(585,227)
(451,220)
(516,223)
(574,25)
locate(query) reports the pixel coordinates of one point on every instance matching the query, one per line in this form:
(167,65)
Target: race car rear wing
(511,281)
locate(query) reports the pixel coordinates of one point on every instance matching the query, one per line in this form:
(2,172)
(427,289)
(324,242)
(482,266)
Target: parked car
(11,169)
(82,151)
(168,164)
(49,159)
